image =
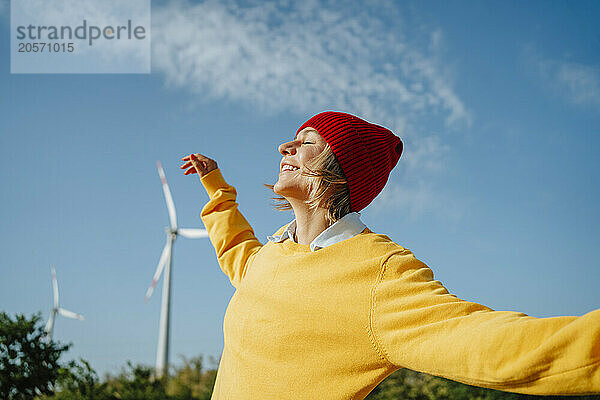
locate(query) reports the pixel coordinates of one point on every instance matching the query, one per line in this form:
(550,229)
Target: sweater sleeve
(230,233)
(418,325)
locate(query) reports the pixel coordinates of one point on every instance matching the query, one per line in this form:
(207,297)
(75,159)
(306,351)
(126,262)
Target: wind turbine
(166,258)
(56,309)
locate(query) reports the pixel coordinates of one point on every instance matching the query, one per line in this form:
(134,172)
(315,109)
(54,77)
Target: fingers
(193,165)
(198,164)
(191,160)
(196,156)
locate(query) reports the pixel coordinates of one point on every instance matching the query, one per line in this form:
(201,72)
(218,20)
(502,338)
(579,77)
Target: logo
(83,36)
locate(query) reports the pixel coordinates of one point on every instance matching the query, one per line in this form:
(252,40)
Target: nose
(287,148)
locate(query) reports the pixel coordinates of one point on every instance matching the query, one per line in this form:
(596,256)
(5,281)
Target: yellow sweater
(332,324)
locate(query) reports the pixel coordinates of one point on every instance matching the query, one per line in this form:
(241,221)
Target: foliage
(28,363)
(407,384)
(135,382)
(78,381)
(29,367)
(411,385)
(191,381)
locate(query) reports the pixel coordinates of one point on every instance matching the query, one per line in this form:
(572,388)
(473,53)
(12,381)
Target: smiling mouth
(288,169)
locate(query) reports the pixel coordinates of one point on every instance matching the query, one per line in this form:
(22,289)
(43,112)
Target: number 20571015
(40,47)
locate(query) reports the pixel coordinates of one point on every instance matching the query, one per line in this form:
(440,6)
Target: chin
(278,189)
(290,188)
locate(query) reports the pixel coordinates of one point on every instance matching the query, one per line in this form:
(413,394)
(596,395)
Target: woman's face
(307,145)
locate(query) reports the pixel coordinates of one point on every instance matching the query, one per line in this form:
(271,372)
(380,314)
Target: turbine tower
(166,263)
(57,310)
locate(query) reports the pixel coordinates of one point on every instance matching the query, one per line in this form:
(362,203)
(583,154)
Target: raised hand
(198,164)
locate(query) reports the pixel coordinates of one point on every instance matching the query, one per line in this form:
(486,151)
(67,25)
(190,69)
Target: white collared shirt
(344,228)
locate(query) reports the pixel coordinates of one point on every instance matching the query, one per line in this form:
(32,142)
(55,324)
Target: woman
(327,308)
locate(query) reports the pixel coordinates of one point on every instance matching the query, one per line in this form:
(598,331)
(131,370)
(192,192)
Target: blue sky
(498,104)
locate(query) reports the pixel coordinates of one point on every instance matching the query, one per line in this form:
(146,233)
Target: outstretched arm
(230,233)
(418,325)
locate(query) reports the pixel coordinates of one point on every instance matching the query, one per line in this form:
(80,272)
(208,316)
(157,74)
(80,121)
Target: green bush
(28,363)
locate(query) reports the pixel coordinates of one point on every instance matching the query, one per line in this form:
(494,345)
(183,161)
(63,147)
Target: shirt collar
(346,227)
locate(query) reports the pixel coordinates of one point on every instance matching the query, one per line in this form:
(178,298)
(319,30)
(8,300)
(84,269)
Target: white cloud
(300,57)
(309,56)
(577,83)
(411,200)
(582,82)
(427,154)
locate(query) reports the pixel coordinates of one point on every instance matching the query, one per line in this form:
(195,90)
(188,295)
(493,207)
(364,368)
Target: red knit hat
(366,152)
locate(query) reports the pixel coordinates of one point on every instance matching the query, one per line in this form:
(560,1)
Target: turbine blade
(50,323)
(54,286)
(193,233)
(168,197)
(159,269)
(70,314)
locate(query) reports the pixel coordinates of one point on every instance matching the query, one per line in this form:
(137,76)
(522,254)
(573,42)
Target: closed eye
(307,142)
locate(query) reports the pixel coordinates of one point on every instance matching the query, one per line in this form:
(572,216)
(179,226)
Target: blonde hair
(325,177)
